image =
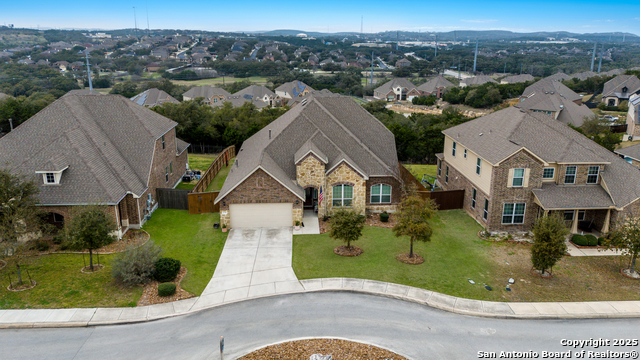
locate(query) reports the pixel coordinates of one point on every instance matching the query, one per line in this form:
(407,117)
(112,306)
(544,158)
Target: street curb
(398,292)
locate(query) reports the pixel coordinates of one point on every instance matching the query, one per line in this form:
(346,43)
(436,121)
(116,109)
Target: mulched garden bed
(344,251)
(538,273)
(598,247)
(2,264)
(25,286)
(87,269)
(415,260)
(150,293)
(338,349)
(627,273)
(372,220)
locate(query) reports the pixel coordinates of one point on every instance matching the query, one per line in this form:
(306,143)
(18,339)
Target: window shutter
(526,178)
(510,180)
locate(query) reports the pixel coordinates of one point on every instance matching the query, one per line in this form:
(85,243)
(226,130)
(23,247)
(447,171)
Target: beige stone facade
(310,172)
(346,175)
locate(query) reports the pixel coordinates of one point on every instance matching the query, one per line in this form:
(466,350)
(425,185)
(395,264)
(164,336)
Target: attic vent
(480,134)
(303,102)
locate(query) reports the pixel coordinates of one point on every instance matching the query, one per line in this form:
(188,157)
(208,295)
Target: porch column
(574,224)
(607,219)
(546,213)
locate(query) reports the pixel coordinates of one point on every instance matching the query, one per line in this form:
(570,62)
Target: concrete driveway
(254,262)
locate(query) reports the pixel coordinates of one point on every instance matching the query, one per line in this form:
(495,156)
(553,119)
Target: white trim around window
(478,166)
(453,149)
(593,175)
(548,173)
(474,195)
(570,175)
(518,178)
(513,213)
(381,194)
(342,195)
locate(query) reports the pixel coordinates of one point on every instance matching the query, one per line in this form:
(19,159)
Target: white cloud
(480,21)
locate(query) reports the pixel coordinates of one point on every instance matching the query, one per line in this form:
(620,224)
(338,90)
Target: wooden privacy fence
(202,202)
(217,164)
(173,198)
(446,200)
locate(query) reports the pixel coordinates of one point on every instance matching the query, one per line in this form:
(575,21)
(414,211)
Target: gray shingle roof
(206,91)
(551,86)
(559,76)
(255,92)
(557,197)
(336,127)
(293,88)
(394,83)
(477,80)
(517,79)
(434,84)
(570,112)
(153,97)
(614,86)
(632,151)
(107,141)
(497,136)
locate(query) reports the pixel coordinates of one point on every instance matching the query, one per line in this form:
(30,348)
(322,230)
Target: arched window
(380,193)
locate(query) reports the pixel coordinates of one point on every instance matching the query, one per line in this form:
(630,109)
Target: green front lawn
(221,176)
(454,255)
(190,239)
(60,284)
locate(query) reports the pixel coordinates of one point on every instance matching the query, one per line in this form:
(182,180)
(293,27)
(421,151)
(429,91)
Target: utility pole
(135,22)
(86,53)
(600,61)
(475,58)
(593,56)
(371,68)
(504,72)
(436,55)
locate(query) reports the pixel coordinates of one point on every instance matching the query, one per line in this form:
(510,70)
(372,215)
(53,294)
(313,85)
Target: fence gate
(202,203)
(173,198)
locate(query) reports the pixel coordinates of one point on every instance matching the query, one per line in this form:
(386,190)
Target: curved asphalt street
(413,330)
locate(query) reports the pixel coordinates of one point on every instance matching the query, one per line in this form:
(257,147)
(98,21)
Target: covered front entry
(310,198)
(261,215)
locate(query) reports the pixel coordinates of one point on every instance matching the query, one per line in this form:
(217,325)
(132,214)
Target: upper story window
(474,194)
(453,149)
(465,153)
(548,173)
(446,175)
(570,175)
(439,167)
(478,166)
(50,178)
(163,144)
(342,195)
(594,173)
(166,173)
(380,193)
(518,178)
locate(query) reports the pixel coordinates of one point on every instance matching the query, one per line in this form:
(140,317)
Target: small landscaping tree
(549,245)
(346,225)
(91,229)
(19,216)
(626,237)
(413,219)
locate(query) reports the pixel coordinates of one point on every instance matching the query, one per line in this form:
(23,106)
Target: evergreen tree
(549,245)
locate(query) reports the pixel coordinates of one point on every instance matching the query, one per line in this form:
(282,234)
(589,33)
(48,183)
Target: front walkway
(310,222)
(253,263)
(576,251)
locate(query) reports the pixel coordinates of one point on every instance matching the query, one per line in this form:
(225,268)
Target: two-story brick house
(97,149)
(324,154)
(516,165)
(398,89)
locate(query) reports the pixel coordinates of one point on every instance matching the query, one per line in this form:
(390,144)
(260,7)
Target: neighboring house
(403,63)
(316,93)
(153,67)
(551,87)
(633,117)
(630,154)
(516,166)
(153,97)
(26,62)
(212,95)
(396,90)
(238,101)
(619,89)
(583,75)
(86,149)
(293,89)
(559,76)
(85,91)
(477,81)
(436,86)
(516,79)
(557,106)
(259,92)
(4,96)
(62,65)
(329,148)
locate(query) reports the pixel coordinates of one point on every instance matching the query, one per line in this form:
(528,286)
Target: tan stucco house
(324,154)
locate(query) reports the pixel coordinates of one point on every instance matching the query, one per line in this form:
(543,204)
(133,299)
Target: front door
(310,198)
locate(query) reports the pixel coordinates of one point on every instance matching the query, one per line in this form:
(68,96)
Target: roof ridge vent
(303,102)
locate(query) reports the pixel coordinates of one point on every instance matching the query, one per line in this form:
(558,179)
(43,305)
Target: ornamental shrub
(166,289)
(591,240)
(136,265)
(166,269)
(579,240)
(384,217)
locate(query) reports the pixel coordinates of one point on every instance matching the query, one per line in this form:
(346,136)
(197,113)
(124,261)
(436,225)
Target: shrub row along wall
(222,160)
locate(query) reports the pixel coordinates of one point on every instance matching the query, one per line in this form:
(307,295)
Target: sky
(584,16)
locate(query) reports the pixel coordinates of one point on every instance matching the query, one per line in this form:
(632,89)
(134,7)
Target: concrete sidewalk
(109,316)
(576,251)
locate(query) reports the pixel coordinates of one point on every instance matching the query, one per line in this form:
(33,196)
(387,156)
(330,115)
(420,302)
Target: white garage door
(260,215)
